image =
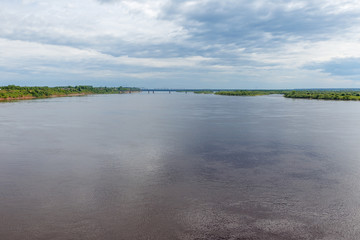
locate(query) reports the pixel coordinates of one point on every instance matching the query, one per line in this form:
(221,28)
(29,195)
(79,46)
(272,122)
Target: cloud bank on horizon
(181,43)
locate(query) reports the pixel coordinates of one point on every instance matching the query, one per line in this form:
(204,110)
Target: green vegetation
(16,92)
(250,92)
(334,94)
(324,94)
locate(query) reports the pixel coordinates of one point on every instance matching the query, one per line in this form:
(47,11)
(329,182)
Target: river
(179,166)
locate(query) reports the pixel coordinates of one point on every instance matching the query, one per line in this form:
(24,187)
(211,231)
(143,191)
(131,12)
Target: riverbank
(341,95)
(51,96)
(325,95)
(11,92)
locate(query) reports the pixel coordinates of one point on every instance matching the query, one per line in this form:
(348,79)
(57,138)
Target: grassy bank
(13,92)
(250,92)
(16,92)
(335,94)
(325,94)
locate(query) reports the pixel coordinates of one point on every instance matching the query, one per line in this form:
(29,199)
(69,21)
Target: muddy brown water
(179,166)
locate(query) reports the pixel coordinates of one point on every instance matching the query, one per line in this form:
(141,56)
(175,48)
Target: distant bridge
(183,90)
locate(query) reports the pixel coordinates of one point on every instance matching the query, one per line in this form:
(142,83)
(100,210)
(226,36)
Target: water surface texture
(179,166)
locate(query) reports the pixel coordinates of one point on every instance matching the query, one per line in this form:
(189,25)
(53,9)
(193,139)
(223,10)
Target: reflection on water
(179,166)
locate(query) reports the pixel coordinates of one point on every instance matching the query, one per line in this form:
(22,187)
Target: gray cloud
(243,39)
(340,67)
(246,23)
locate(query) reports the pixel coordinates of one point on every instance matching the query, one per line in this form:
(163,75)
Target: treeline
(333,94)
(324,94)
(308,94)
(17,92)
(13,92)
(250,92)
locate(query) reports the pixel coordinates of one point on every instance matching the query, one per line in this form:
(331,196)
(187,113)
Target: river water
(179,166)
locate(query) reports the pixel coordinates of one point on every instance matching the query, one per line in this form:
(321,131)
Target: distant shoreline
(55,96)
(32,97)
(336,95)
(12,92)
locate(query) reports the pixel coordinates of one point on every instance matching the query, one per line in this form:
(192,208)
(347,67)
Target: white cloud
(84,22)
(234,42)
(301,53)
(27,55)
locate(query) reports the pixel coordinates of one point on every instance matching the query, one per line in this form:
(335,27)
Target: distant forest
(250,92)
(325,94)
(332,94)
(16,92)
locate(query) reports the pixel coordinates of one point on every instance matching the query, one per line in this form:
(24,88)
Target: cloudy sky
(181,43)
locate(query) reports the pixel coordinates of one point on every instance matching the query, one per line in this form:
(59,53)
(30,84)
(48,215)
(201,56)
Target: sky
(239,44)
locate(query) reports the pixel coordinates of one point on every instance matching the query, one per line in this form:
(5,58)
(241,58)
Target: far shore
(12,92)
(55,96)
(52,96)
